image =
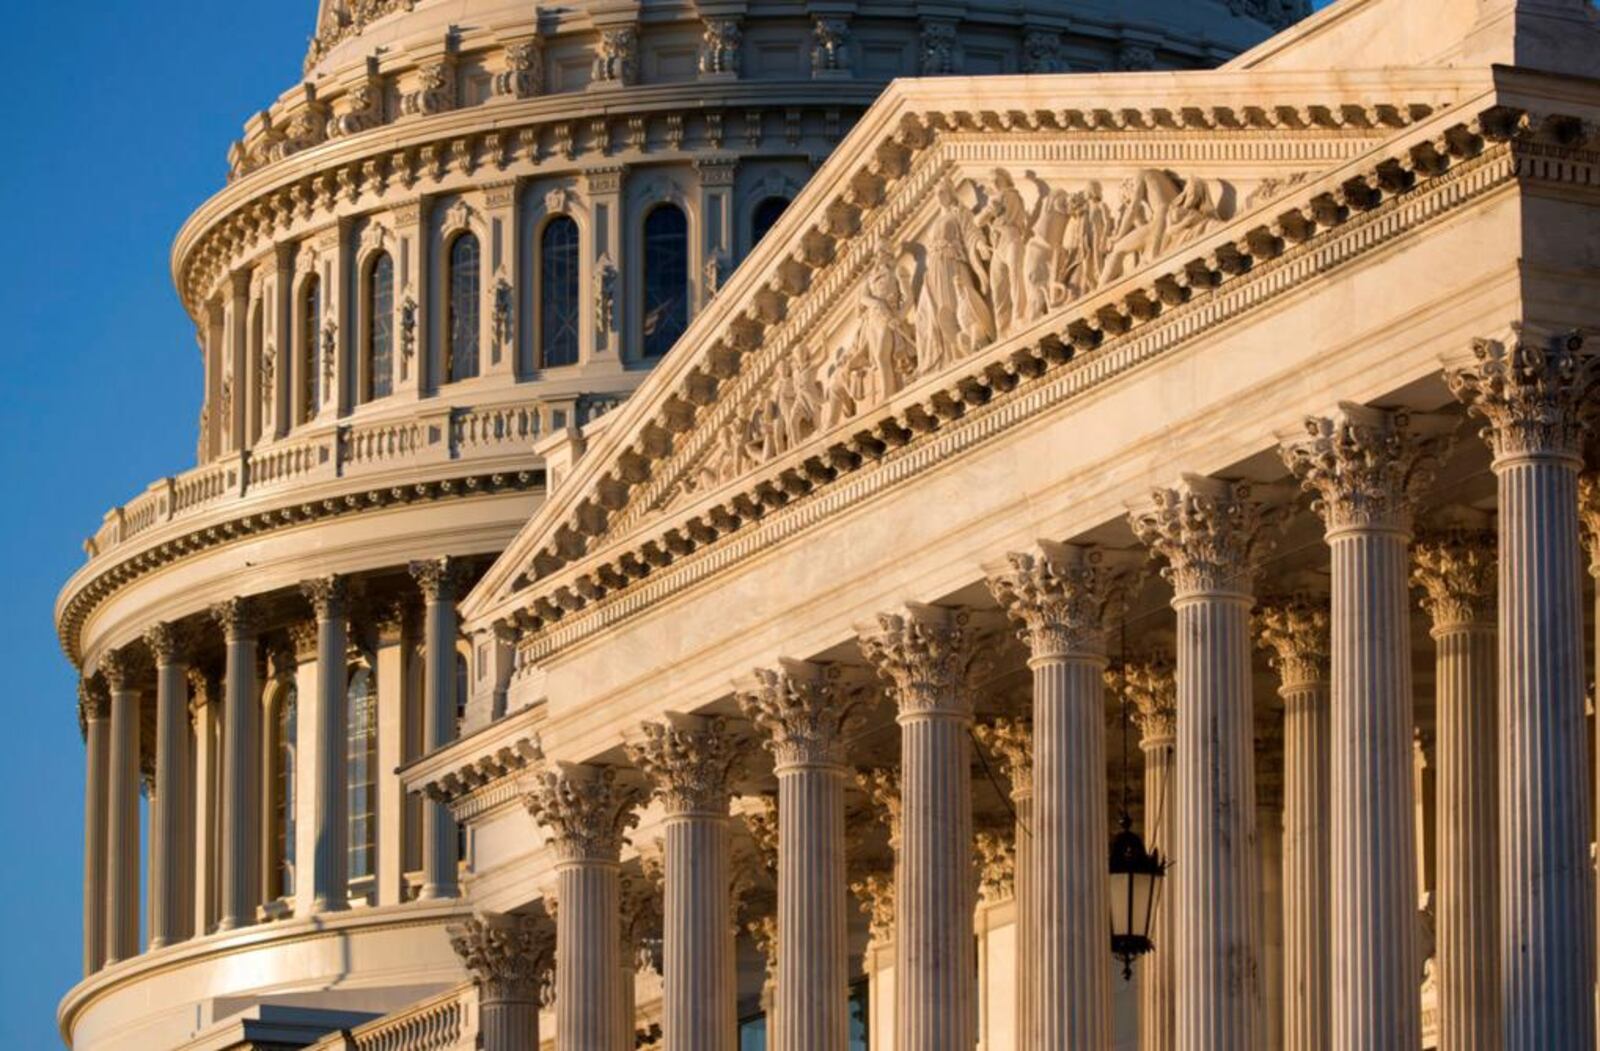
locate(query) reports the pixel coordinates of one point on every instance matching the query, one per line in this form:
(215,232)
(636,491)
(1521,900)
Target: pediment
(961,221)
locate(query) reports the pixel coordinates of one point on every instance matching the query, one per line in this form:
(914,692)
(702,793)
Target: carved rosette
(237,618)
(1213,534)
(996,854)
(1293,630)
(328,596)
(438,578)
(1457,571)
(805,711)
(1063,597)
(882,787)
(1534,392)
(509,956)
(167,643)
(1150,685)
(586,810)
(690,766)
(925,652)
(1368,467)
(1012,741)
(875,894)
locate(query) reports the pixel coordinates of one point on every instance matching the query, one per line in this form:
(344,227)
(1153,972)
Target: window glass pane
(463,316)
(284,787)
(310,348)
(666,279)
(558,292)
(361,771)
(380,328)
(766,213)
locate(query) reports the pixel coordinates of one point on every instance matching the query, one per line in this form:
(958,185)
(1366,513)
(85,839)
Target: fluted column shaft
(240,836)
(438,580)
(1535,393)
(97,760)
(1027,903)
(1306,856)
(171,910)
(923,651)
(803,708)
(1150,686)
(330,805)
(122,817)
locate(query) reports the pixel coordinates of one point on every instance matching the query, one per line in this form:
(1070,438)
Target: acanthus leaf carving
(587,811)
(690,764)
(1368,467)
(509,955)
(1534,391)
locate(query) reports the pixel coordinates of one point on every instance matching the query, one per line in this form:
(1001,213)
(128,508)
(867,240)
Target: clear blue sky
(117,125)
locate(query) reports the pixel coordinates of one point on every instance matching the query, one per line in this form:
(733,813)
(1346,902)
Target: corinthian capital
(875,894)
(1368,466)
(1589,519)
(438,578)
(996,855)
(1150,685)
(93,703)
(586,810)
(690,762)
(1012,741)
(804,709)
(1456,570)
(1532,389)
(508,955)
(328,595)
(167,643)
(237,618)
(925,652)
(1293,630)
(882,786)
(116,667)
(1212,533)
(1063,596)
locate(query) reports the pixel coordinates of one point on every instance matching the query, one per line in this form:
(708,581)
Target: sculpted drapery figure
(953,319)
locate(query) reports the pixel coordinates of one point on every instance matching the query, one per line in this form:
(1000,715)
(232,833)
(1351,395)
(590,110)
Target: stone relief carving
(1136,58)
(502,323)
(605,295)
(330,346)
(361,108)
(1041,52)
(988,264)
(719,47)
(523,76)
(716,271)
(830,50)
(346,19)
(269,362)
(617,60)
(940,55)
(408,333)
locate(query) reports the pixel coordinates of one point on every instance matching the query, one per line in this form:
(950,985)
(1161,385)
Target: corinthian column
(330,886)
(438,578)
(1063,596)
(95,705)
(1536,395)
(171,911)
(240,834)
(923,651)
(122,814)
(1212,534)
(1456,571)
(803,708)
(587,813)
(1012,741)
(690,761)
(509,957)
(1367,467)
(1149,686)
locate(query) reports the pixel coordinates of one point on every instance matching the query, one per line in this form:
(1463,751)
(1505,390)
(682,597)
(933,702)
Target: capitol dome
(440,260)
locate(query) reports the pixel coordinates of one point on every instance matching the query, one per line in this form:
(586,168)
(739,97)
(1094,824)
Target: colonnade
(1515,902)
(206,774)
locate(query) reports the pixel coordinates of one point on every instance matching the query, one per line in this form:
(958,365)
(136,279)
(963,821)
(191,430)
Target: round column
(1211,533)
(1294,632)
(802,708)
(171,911)
(330,884)
(438,580)
(1012,741)
(1456,572)
(509,957)
(689,761)
(1149,686)
(1535,392)
(122,812)
(1063,596)
(1367,467)
(95,705)
(587,813)
(923,651)
(238,840)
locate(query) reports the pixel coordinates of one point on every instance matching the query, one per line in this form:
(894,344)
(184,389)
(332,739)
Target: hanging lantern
(1135,885)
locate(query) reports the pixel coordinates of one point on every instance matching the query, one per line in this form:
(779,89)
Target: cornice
(1448,163)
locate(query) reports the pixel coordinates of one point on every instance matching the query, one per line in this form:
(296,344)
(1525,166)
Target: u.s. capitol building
(696,546)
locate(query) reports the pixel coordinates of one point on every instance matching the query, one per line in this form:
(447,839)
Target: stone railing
(436,436)
(446,1022)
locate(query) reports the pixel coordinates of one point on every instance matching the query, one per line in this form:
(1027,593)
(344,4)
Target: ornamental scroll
(996,257)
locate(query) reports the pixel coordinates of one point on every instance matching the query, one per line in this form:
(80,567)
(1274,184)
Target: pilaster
(603,191)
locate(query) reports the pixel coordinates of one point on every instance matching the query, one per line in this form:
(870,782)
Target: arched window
(666,278)
(284,721)
(380,328)
(461,319)
(558,292)
(361,755)
(310,338)
(768,209)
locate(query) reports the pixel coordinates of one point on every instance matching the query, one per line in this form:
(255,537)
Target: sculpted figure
(884,337)
(799,400)
(1158,213)
(1044,258)
(845,384)
(1008,223)
(952,318)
